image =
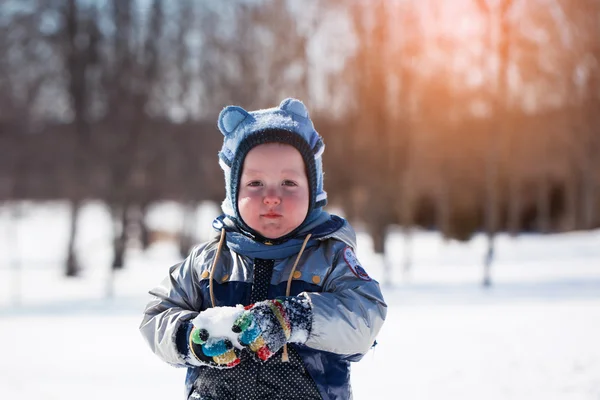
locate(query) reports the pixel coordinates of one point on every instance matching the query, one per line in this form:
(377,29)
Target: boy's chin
(274,233)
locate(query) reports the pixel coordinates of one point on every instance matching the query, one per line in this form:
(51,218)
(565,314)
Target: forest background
(460,116)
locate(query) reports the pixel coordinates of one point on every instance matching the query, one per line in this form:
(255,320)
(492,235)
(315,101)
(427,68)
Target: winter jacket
(348,309)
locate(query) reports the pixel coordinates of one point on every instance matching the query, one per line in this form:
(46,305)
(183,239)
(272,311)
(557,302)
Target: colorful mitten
(217,347)
(265,327)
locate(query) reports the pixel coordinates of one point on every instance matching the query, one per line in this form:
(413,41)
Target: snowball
(218,321)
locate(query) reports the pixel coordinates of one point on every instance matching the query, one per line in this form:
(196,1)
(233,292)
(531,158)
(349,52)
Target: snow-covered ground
(535,334)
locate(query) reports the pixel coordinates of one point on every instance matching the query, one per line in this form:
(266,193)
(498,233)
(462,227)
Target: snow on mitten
(265,327)
(211,340)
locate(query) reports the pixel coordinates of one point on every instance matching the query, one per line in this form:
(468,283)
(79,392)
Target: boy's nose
(271,199)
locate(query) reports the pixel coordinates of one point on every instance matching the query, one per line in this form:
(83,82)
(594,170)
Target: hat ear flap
(294,106)
(230,118)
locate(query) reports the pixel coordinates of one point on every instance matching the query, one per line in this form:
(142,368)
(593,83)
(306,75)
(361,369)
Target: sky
(532,335)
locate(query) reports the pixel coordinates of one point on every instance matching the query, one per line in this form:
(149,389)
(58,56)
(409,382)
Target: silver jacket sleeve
(173,303)
(349,313)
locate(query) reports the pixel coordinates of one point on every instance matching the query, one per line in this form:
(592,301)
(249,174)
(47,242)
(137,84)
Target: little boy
(309,307)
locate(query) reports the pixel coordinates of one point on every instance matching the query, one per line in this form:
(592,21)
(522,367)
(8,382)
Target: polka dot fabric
(257,380)
(253,379)
(263,270)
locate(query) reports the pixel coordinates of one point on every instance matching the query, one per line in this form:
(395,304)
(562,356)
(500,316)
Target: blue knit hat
(289,123)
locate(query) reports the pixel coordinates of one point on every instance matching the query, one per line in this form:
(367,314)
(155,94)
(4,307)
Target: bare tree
(591,166)
(407,51)
(371,75)
(499,102)
(77,45)
(131,79)
(257,60)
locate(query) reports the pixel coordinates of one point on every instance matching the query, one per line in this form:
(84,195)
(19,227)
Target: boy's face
(273,194)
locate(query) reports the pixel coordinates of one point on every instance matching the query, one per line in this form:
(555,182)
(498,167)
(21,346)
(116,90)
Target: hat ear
(230,118)
(294,106)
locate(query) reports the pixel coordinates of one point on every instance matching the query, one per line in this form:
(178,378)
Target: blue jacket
(348,306)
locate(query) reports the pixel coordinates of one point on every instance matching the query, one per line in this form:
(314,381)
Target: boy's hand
(267,325)
(211,340)
(217,352)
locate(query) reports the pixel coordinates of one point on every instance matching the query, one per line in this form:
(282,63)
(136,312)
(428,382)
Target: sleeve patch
(354,265)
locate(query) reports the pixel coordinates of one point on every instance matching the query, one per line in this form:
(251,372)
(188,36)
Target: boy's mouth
(271,215)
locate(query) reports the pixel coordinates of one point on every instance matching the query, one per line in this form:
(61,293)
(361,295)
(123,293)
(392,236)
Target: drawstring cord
(284,356)
(212,268)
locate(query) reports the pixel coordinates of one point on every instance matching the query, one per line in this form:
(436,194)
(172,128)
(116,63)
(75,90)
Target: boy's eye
(289,183)
(254,183)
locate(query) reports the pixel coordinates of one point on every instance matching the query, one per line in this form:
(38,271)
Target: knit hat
(289,123)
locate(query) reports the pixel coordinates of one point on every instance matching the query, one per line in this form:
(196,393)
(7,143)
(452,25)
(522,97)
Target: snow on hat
(289,123)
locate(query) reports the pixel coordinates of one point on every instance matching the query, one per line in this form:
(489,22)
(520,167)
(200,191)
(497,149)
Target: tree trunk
(543,205)
(144,231)
(588,197)
(187,236)
(408,242)
(72,265)
(489,258)
(378,234)
(570,197)
(443,202)
(514,205)
(514,189)
(12,236)
(491,211)
(120,236)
